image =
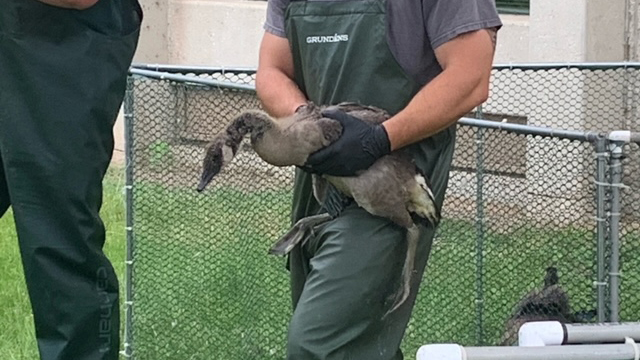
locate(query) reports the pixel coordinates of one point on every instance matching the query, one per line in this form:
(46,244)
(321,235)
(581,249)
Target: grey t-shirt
(415,28)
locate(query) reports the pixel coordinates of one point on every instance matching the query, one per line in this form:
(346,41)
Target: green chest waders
(344,276)
(63,77)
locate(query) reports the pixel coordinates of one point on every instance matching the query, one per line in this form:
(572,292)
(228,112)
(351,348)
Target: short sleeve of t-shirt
(446,19)
(274,23)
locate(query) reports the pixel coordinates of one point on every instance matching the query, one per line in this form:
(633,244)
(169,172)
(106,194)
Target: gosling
(406,200)
(551,303)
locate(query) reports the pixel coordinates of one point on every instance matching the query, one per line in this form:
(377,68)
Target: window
(513,6)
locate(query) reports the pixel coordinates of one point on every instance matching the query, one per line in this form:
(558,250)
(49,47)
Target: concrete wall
(576,30)
(215,33)
(153,45)
(632,31)
(513,40)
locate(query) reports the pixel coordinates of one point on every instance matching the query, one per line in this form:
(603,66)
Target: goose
(551,303)
(393,187)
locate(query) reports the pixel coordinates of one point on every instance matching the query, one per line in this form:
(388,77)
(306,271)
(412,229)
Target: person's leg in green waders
(345,275)
(63,80)
(344,279)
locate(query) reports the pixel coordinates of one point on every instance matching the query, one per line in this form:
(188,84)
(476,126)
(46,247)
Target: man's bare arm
(275,87)
(71,4)
(494,37)
(463,84)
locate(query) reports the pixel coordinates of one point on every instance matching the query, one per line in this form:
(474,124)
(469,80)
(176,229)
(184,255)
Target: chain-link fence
(629,231)
(522,205)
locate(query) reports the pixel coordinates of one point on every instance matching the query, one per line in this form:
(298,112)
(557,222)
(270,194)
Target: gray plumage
(550,303)
(392,187)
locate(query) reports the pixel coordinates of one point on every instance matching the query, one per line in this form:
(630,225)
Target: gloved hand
(360,145)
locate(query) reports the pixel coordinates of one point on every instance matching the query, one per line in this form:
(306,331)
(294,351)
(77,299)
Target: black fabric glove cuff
(378,144)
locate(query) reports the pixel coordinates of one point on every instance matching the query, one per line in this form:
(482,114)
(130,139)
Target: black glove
(360,145)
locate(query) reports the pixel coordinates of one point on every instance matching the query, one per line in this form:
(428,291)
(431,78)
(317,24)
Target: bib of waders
(340,53)
(62,80)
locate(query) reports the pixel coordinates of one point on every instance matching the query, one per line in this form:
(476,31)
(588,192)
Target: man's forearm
(280,96)
(71,4)
(436,106)
(462,85)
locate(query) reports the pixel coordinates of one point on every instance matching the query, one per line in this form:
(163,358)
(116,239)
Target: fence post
(616,148)
(128,134)
(626,351)
(479,230)
(601,228)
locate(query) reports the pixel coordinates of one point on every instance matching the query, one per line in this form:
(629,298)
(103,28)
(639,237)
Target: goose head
(551,276)
(218,154)
(222,149)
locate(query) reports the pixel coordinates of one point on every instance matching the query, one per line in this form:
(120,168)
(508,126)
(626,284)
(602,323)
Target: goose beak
(205,180)
(211,166)
(209,171)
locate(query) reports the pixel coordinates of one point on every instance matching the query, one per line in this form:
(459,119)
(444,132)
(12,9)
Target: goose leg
(422,202)
(289,240)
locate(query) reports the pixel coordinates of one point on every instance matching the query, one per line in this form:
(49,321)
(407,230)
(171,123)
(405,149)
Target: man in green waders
(427,62)
(63,67)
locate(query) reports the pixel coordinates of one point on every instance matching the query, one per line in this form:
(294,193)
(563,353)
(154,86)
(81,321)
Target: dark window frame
(520,7)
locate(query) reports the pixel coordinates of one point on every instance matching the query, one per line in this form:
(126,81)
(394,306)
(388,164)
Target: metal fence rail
(537,184)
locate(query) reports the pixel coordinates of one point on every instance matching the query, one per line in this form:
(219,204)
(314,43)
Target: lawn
(205,288)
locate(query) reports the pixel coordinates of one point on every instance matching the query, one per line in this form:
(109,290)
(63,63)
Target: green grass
(17,337)
(213,247)
(205,287)
(204,271)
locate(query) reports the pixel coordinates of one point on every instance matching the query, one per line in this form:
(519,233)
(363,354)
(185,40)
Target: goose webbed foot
(297,233)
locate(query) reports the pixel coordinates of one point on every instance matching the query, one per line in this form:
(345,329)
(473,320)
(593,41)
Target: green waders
(62,80)
(345,275)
